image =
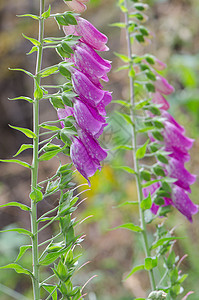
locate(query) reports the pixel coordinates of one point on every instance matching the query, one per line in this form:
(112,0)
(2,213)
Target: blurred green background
(111,253)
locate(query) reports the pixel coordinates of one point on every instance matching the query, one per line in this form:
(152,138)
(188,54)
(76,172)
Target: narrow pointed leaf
(122,57)
(23,148)
(130,226)
(26,131)
(18,230)
(22,98)
(140,153)
(135,269)
(22,250)
(19,269)
(24,71)
(33,49)
(50,127)
(126,169)
(163,240)
(49,71)
(29,15)
(33,41)
(46,14)
(122,102)
(146,203)
(17,204)
(118,24)
(49,155)
(128,203)
(16,161)
(126,117)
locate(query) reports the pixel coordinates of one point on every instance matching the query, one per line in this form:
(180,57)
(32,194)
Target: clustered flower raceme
(177,145)
(89,104)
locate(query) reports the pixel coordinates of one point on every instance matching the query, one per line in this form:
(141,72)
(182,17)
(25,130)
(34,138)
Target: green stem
(136,164)
(35,162)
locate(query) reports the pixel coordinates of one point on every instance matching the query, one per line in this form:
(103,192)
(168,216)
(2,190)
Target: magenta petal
(104,102)
(86,89)
(91,35)
(88,119)
(64,113)
(95,55)
(173,137)
(150,189)
(183,203)
(163,86)
(171,119)
(82,160)
(89,65)
(70,29)
(76,6)
(159,99)
(177,170)
(93,147)
(179,155)
(159,65)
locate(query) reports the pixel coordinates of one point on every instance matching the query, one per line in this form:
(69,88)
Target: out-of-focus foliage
(175,25)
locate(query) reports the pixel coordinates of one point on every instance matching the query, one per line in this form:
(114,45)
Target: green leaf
(140,153)
(122,147)
(57,102)
(52,256)
(146,184)
(51,289)
(171,260)
(38,94)
(23,148)
(22,163)
(26,131)
(141,104)
(29,15)
(150,87)
(49,155)
(21,98)
(150,263)
(130,226)
(161,241)
(50,127)
(22,70)
(69,18)
(36,195)
(33,41)
(118,24)
(18,230)
(49,71)
(46,14)
(126,169)
(146,203)
(17,204)
(122,57)
(61,20)
(128,203)
(135,269)
(145,175)
(122,102)
(23,249)
(32,50)
(126,117)
(19,269)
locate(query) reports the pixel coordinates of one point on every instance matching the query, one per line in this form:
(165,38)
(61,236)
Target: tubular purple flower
(93,147)
(90,66)
(174,139)
(162,86)
(159,99)
(88,91)
(183,203)
(89,119)
(82,160)
(64,113)
(159,65)
(77,5)
(177,170)
(90,35)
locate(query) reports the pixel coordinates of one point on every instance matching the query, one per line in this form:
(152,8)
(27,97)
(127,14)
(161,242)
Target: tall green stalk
(35,162)
(136,164)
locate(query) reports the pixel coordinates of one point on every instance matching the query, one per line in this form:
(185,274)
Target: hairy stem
(136,164)
(35,162)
